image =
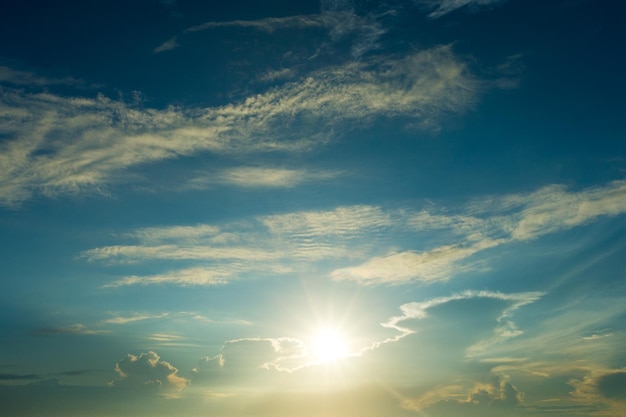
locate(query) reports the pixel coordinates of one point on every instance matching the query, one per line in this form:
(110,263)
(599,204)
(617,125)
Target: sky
(313,208)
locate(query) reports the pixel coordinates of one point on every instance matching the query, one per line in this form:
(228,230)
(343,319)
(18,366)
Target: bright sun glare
(329,345)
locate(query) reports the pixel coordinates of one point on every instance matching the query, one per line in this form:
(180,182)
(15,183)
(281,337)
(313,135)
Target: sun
(328,345)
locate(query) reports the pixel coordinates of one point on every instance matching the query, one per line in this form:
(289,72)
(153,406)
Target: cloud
(348,221)
(140,252)
(167,45)
(496,393)
(259,177)
(603,386)
(605,383)
(487,223)
(419,310)
(120,320)
(77,328)
(28,78)
(18,377)
(66,145)
(339,19)
(439,264)
(442,7)
(185,277)
(394,245)
(148,371)
(252,357)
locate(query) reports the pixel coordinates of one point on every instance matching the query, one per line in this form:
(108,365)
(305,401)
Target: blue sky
(314,208)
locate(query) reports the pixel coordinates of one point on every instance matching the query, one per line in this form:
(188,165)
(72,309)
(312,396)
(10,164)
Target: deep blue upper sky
(312,208)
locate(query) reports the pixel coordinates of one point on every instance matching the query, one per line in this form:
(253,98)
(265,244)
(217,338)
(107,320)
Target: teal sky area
(313,208)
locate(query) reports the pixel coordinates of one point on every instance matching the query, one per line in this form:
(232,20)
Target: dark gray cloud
(18,377)
(613,385)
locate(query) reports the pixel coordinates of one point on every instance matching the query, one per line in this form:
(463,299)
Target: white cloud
(184,277)
(167,45)
(77,328)
(496,393)
(348,221)
(59,145)
(28,78)
(487,223)
(435,265)
(141,253)
(419,310)
(340,20)
(382,240)
(134,318)
(171,234)
(259,177)
(442,7)
(147,370)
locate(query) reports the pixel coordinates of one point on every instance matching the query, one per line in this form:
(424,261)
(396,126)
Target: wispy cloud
(420,310)
(134,318)
(340,20)
(77,328)
(259,177)
(442,7)
(18,377)
(485,224)
(191,276)
(278,243)
(59,145)
(27,78)
(498,392)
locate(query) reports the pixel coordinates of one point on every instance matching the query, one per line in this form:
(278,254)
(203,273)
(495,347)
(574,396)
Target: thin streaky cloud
(167,45)
(347,221)
(28,78)
(121,320)
(153,235)
(274,242)
(488,224)
(442,7)
(137,253)
(365,30)
(71,145)
(260,177)
(272,23)
(77,328)
(185,277)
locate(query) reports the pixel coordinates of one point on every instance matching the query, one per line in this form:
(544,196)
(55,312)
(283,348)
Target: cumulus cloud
(59,145)
(147,370)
